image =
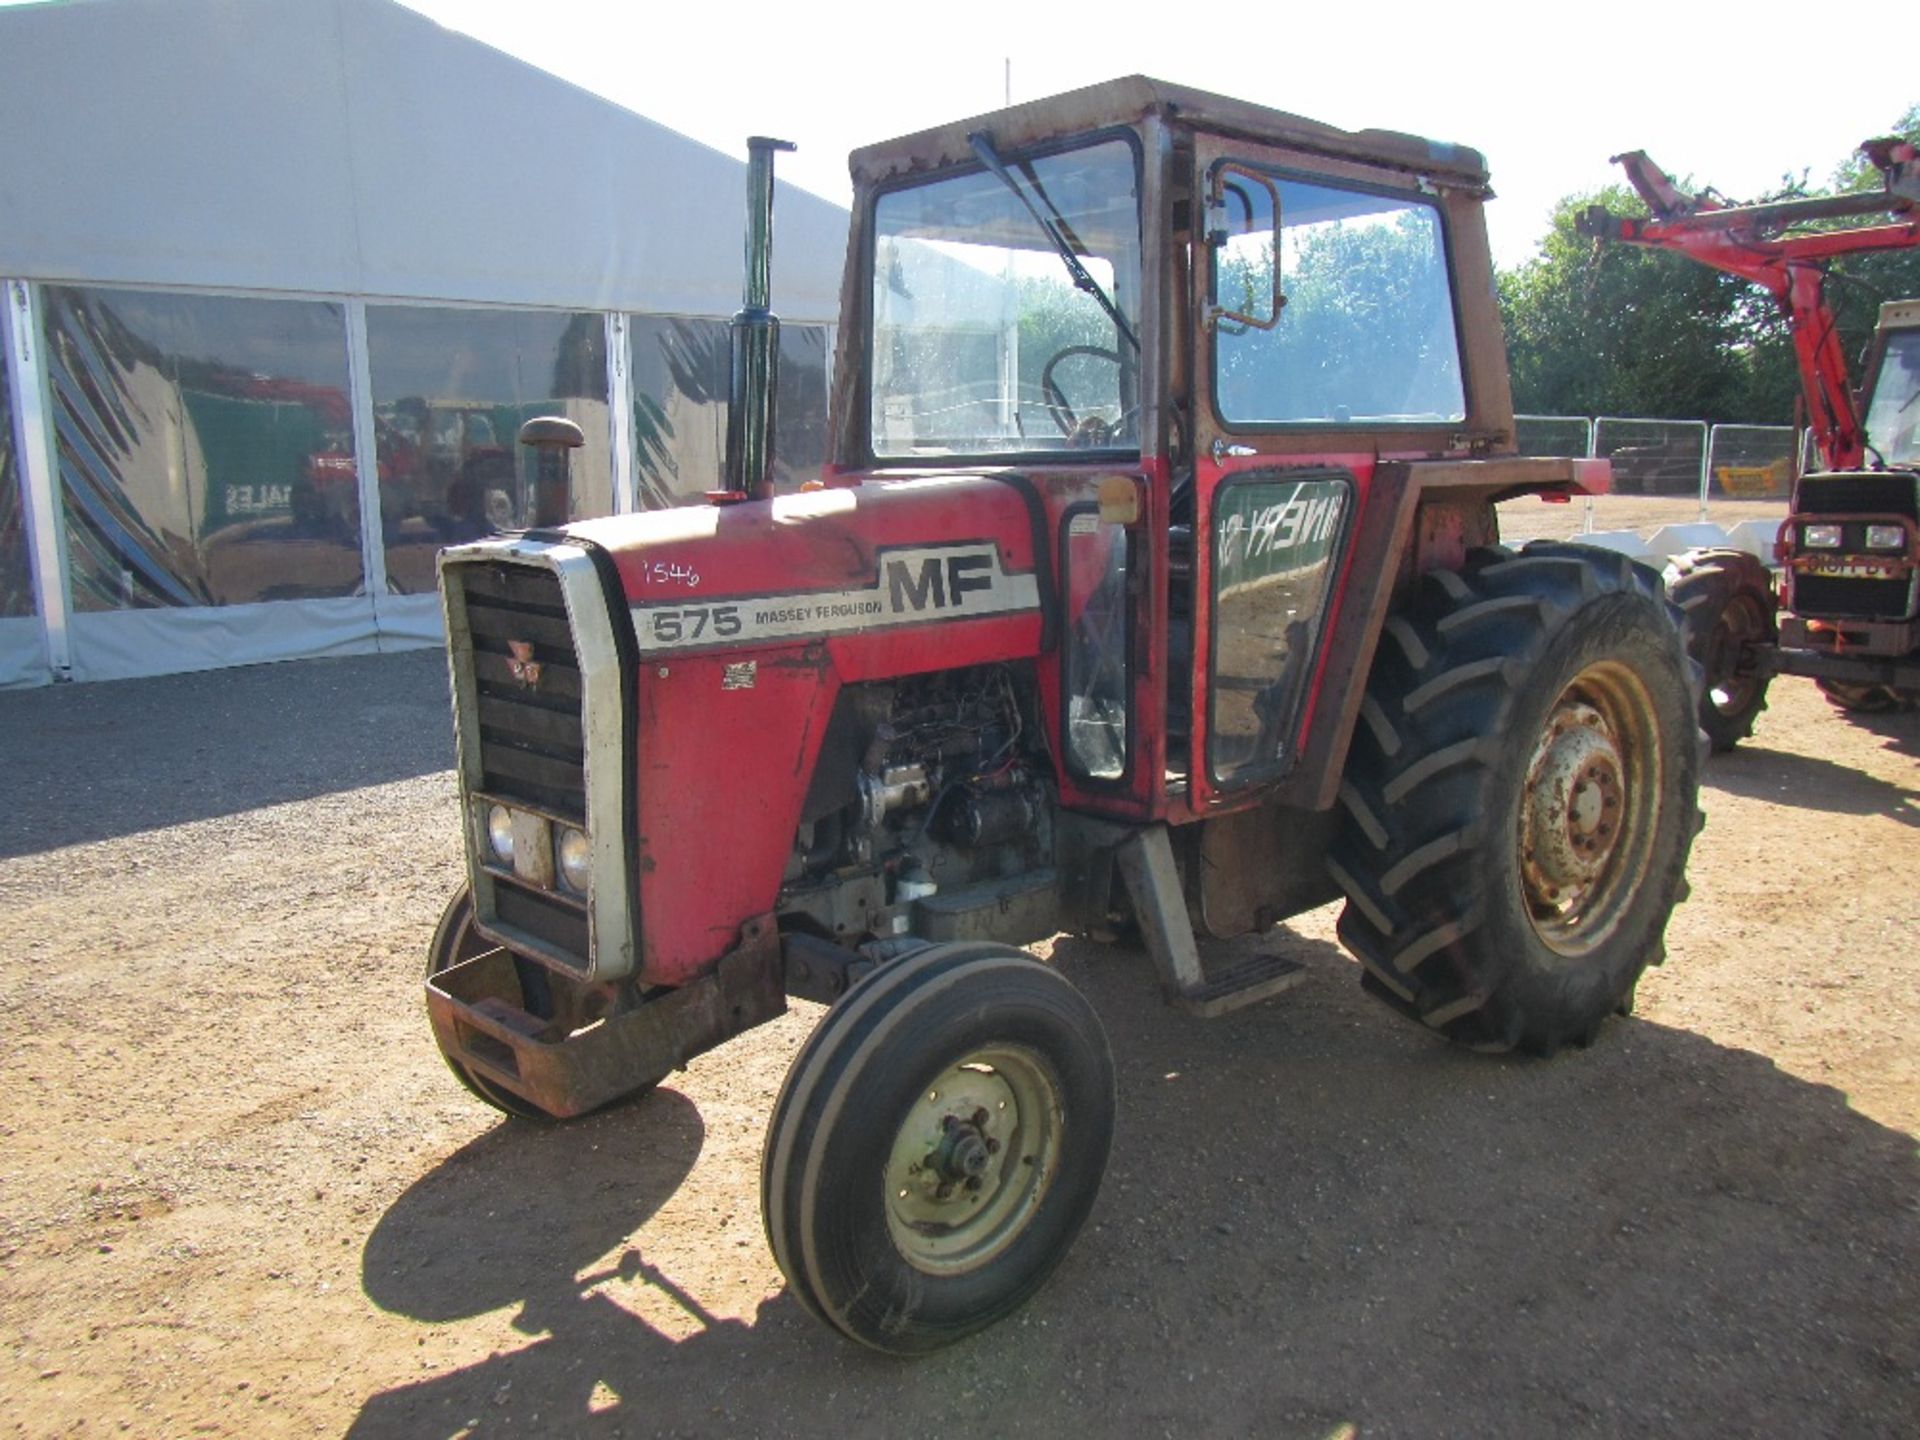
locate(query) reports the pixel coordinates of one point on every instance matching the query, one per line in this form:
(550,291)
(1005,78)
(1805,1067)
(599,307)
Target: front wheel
(454,940)
(937,1145)
(1727,599)
(1521,797)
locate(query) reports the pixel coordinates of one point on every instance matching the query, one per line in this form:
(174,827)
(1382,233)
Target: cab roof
(1130,99)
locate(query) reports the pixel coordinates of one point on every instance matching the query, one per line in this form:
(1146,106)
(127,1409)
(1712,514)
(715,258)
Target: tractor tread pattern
(1438,706)
(1702,583)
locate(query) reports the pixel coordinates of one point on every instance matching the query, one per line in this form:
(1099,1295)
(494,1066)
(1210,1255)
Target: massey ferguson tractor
(1849,549)
(1153,590)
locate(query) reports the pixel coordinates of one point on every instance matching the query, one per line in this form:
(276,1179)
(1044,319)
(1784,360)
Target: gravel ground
(239,1194)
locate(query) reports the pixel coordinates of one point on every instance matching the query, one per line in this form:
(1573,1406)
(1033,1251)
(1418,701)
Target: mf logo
(930,582)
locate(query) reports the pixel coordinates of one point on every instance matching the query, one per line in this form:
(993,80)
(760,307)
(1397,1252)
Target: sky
(1735,96)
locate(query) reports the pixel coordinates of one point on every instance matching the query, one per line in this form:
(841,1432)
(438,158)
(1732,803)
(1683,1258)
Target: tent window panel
(451,388)
(205,448)
(679,407)
(16,574)
(680,370)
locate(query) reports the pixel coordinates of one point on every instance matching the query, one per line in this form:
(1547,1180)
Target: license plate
(1860,570)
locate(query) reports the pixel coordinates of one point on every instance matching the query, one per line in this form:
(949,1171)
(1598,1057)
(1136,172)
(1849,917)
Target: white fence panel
(1653,457)
(1568,436)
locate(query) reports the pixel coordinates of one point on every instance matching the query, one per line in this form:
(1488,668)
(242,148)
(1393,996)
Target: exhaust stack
(756,340)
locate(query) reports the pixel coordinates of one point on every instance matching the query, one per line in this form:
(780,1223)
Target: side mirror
(1243,235)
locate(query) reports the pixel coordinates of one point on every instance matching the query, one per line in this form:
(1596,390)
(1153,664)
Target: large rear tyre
(1729,606)
(454,940)
(1520,797)
(937,1145)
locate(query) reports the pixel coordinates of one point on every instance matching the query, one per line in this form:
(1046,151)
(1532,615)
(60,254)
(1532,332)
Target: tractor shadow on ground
(1315,1214)
(192,747)
(1782,777)
(1901,732)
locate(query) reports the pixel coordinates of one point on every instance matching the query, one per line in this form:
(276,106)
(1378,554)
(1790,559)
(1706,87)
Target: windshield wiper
(1052,228)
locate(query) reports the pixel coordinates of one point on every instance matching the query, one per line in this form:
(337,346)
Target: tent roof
(355,146)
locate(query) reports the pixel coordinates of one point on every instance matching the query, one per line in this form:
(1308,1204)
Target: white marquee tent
(283,276)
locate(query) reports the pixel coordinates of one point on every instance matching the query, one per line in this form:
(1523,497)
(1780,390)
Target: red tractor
(1850,545)
(1154,589)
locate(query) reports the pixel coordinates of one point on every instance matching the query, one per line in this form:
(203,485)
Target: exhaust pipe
(755,352)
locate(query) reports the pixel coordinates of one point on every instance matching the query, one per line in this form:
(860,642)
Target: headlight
(576,859)
(1820,537)
(500,833)
(1886,537)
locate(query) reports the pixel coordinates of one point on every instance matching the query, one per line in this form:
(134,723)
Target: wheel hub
(1575,794)
(1731,677)
(966,1151)
(1589,809)
(971,1160)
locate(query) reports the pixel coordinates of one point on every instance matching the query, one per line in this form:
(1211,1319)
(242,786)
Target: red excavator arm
(1763,243)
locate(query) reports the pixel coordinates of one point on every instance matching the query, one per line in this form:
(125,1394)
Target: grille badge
(525,668)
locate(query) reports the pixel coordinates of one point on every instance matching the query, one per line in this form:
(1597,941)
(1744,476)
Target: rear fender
(1417,516)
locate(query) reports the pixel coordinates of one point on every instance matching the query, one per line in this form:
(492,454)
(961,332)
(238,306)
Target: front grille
(1866,492)
(531,747)
(542,916)
(538,660)
(1837,597)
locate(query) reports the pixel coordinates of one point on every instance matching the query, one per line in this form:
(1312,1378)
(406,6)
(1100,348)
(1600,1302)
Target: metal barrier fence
(1676,457)
(1567,436)
(1653,457)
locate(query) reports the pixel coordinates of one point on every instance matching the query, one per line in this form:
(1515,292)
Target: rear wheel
(455,940)
(937,1145)
(1520,797)
(1728,601)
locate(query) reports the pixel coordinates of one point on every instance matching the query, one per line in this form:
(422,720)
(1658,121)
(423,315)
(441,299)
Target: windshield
(983,341)
(1893,414)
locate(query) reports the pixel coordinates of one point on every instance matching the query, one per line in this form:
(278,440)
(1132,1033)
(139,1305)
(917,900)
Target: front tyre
(937,1145)
(455,939)
(1727,599)
(1520,797)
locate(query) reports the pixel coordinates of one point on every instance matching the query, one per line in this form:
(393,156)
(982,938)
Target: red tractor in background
(1848,609)
(1153,588)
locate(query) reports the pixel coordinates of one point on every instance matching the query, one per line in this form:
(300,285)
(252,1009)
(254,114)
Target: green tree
(1863,281)
(1619,330)
(1616,329)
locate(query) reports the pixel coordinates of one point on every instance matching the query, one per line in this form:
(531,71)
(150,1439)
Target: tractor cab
(1200,335)
(1892,386)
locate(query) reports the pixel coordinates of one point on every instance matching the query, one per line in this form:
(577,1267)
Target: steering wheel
(1077,431)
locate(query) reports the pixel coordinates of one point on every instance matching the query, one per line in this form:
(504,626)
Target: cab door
(1271,517)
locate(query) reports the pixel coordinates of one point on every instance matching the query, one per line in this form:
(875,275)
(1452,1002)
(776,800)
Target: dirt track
(240,1195)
